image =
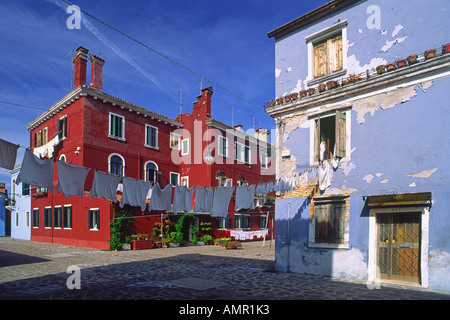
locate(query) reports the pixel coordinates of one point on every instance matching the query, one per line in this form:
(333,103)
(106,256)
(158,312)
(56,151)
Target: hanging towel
(203,199)
(245,197)
(71,178)
(104,186)
(221,200)
(134,192)
(36,172)
(324,176)
(182,199)
(8,154)
(161,198)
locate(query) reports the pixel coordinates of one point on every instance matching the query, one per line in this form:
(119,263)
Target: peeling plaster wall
(399,139)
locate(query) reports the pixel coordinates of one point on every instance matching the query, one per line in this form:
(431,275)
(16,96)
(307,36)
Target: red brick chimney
(202,107)
(96,72)
(80,61)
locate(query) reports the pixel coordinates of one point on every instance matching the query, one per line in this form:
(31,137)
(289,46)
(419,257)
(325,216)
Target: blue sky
(225,41)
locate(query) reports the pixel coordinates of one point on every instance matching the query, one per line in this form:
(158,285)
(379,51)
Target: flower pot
(311,91)
(446,48)
(430,54)
(390,66)
(322,87)
(287,98)
(412,59)
(303,93)
(332,85)
(272,103)
(230,247)
(279,100)
(294,95)
(381,68)
(401,63)
(344,82)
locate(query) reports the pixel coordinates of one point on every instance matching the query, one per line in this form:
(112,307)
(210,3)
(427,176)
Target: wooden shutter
(341,132)
(321,216)
(335,54)
(320,59)
(317,140)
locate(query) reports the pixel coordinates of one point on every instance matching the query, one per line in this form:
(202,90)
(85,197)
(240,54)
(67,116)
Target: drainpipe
(288,234)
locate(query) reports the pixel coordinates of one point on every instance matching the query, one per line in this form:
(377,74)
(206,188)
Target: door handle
(404,246)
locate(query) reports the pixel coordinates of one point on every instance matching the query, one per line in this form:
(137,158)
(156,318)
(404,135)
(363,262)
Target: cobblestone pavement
(38,271)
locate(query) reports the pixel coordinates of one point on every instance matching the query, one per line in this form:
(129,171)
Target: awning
(399,199)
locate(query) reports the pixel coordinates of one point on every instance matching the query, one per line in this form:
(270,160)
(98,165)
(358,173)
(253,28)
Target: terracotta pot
(303,93)
(287,98)
(279,100)
(430,54)
(322,87)
(332,85)
(294,95)
(272,103)
(390,66)
(381,68)
(412,59)
(311,91)
(446,48)
(401,63)
(344,82)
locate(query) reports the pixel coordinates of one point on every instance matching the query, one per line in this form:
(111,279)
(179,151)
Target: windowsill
(117,138)
(327,77)
(152,147)
(328,245)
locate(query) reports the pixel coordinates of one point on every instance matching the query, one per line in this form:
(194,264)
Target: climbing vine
(122,226)
(179,225)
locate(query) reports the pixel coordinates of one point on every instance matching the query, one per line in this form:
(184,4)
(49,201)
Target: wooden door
(399,246)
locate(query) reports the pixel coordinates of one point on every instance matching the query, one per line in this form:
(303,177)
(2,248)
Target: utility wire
(165,57)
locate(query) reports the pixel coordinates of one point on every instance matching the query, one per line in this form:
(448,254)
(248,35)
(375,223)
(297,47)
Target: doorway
(398,246)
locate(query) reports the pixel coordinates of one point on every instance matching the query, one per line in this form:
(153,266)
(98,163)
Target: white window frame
(178,139)
(71,216)
(94,225)
(221,150)
(184,147)
(51,215)
(64,134)
(156,171)
(32,218)
(122,138)
(147,126)
(60,217)
(320,36)
(123,163)
(178,178)
(312,134)
(184,179)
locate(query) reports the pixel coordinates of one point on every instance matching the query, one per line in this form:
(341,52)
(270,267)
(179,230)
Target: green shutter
(340,134)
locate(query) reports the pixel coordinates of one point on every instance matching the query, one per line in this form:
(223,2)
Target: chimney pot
(80,61)
(96,72)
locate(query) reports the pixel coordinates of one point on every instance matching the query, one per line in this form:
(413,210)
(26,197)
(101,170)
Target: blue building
(20,207)
(4,212)
(361,112)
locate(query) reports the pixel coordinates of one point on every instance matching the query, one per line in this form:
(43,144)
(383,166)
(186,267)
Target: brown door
(399,246)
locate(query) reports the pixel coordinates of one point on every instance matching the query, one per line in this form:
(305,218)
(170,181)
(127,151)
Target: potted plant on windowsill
(412,59)
(303,93)
(322,87)
(446,48)
(401,63)
(430,54)
(381,68)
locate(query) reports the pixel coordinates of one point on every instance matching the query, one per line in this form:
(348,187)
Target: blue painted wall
(411,136)
(3,204)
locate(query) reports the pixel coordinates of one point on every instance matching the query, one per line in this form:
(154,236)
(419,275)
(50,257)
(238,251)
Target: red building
(93,129)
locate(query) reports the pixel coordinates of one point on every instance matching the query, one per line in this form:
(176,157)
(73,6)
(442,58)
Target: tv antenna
(71,73)
(181,97)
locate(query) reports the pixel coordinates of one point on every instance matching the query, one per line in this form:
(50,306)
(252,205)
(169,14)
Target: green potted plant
(233,244)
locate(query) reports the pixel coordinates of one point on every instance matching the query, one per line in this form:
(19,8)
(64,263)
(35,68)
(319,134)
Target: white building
(20,207)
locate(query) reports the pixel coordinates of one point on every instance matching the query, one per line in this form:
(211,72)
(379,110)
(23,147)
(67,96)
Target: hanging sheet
(8,154)
(161,198)
(134,192)
(36,172)
(105,186)
(203,199)
(245,197)
(182,199)
(71,178)
(221,201)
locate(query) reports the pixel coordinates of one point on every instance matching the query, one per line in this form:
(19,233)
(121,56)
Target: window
(242,221)
(67,217)
(328,225)
(184,147)
(185,181)
(116,165)
(328,56)
(223,222)
(151,172)
(116,126)
(17,218)
(25,189)
(174,179)
(263,222)
(57,217)
(35,218)
(94,219)
(62,128)
(223,146)
(264,160)
(224,181)
(27,217)
(327,53)
(48,217)
(330,133)
(242,181)
(40,138)
(151,136)
(174,141)
(63,158)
